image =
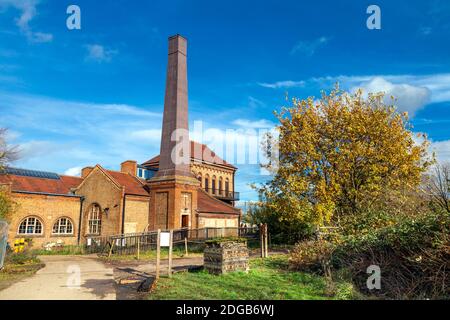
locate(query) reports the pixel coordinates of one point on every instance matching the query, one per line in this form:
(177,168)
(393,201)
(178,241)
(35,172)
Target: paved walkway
(66,278)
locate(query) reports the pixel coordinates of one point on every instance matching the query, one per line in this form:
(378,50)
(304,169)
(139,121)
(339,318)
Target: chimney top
(177,43)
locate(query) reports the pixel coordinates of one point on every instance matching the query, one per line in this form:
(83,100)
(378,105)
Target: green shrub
(412,253)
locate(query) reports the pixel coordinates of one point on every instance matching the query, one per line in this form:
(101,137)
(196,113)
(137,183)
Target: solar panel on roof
(32,173)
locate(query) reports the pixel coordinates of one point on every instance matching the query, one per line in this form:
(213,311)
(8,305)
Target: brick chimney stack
(175,117)
(129,166)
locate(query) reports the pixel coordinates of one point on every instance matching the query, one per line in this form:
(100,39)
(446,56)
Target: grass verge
(17,267)
(267,279)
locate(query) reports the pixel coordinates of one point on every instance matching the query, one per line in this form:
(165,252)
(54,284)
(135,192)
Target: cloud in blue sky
(98,53)
(28,11)
(308,48)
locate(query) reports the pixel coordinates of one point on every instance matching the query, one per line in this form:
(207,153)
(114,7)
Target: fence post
(186,247)
(138,247)
(158,248)
(170,253)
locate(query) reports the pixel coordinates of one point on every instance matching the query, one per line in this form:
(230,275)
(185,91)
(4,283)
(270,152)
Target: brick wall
(99,189)
(48,209)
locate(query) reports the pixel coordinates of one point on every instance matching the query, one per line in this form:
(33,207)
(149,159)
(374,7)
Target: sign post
(170,253)
(158,252)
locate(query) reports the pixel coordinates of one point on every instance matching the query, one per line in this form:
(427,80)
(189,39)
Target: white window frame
(37,222)
(59,225)
(95,220)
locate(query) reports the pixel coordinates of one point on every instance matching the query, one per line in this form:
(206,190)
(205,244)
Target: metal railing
(3,241)
(128,243)
(223,194)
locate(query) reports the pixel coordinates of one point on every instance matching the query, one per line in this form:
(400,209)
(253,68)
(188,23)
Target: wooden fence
(129,243)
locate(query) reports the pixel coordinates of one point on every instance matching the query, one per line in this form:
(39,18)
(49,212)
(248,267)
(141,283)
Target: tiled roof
(199,152)
(24,183)
(209,204)
(133,185)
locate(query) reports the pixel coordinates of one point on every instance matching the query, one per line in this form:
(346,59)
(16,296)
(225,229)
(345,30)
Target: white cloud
(283,84)
(308,48)
(98,53)
(413,91)
(28,11)
(147,135)
(58,134)
(442,150)
(75,171)
(409,98)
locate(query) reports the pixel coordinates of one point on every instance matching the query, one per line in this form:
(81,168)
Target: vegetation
(267,279)
(353,189)
(341,155)
(413,255)
(18,266)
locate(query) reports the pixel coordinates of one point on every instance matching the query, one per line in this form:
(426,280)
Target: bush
(413,255)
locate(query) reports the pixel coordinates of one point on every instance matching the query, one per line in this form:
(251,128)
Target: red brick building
(161,193)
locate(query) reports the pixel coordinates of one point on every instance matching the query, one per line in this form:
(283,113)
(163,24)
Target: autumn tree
(338,155)
(7,154)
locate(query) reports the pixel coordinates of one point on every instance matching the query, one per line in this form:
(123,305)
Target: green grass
(18,266)
(61,251)
(267,279)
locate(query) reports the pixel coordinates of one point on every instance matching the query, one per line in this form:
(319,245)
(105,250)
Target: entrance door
(184,221)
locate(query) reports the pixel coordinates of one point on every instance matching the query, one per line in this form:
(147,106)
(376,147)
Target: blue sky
(95,95)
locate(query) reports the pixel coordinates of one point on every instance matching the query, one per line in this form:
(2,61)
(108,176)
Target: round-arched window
(63,226)
(95,220)
(30,226)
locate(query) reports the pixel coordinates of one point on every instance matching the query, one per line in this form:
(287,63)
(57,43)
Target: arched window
(221,186)
(207,183)
(30,226)
(63,226)
(199,178)
(95,220)
(227,187)
(213,187)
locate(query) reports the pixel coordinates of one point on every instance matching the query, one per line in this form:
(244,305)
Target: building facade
(161,193)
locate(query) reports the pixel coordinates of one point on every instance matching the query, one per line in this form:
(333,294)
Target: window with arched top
(213,185)
(207,183)
(227,187)
(95,220)
(30,226)
(63,226)
(221,186)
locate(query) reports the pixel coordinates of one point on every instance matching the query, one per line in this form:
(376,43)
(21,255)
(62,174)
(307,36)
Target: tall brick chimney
(174,182)
(175,113)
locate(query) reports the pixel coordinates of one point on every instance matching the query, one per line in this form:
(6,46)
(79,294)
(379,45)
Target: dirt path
(66,278)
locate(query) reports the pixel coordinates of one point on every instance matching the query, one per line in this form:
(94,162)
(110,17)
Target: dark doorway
(185,221)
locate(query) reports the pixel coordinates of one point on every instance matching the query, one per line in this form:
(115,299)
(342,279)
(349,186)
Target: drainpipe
(123,213)
(80,219)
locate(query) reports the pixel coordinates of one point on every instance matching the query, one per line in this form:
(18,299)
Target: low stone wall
(226,256)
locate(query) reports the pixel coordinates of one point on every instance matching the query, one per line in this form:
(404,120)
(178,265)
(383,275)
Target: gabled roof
(38,181)
(132,184)
(209,204)
(199,152)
